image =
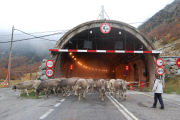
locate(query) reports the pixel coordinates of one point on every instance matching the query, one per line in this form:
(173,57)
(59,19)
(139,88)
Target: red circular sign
(49,63)
(49,72)
(105,28)
(159,62)
(178,62)
(160,70)
(125,72)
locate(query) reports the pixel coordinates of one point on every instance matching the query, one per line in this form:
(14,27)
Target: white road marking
(163,99)
(62,100)
(57,104)
(46,114)
(124,108)
(126,115)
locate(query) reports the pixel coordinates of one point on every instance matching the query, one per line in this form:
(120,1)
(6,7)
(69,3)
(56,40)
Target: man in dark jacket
(158,90)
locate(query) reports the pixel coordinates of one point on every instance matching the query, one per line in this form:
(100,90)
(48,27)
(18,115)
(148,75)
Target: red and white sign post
(49,64)
(105,28)
(160,70)
(160,63)
(49,72)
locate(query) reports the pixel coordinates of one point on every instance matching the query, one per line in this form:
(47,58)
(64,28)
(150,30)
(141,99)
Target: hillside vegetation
(164,28)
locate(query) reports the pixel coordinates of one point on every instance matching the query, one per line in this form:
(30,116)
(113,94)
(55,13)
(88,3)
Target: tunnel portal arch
(116,61)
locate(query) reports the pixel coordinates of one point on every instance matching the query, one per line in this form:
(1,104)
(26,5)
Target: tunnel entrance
(86,52)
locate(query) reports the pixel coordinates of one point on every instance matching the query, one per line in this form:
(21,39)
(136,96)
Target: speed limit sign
(160,70)
(159,62)
(49,72)
(49,63)
(105,28)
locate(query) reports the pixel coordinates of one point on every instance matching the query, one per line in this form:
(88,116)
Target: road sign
(178,62)
(49,63)
(105,28)
(178,71)
(125,72)
(160,70)
(159,62)
(49,72)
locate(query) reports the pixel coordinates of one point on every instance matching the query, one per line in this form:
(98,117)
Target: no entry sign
(178,62)
(49,64)
(49,72)
(105,28)
(160,70)
(159,62)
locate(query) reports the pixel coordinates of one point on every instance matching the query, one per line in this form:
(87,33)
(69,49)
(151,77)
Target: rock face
(170,66)
(42,69)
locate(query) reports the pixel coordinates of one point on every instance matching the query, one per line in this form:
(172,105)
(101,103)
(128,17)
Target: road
(136,106)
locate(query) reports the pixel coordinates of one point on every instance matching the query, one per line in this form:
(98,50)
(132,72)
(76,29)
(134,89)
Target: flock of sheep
(77,85)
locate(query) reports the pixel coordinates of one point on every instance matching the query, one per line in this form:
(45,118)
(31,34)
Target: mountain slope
(164,28)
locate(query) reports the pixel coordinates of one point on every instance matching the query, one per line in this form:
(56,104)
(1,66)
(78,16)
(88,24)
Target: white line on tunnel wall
(103,51)
(46,114)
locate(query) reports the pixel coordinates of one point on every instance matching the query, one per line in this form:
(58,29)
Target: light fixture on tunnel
(72,56)
(119,32)
(91,32)
(71,67)
(113,71)
(118,45)
(70,53)
(88,44)
(127,67)
(141,47)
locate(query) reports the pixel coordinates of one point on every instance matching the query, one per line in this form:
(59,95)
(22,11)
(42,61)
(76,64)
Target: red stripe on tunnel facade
(147,51)
(54,50)
(110,51)
(91,51)
(71,50)
(129,51)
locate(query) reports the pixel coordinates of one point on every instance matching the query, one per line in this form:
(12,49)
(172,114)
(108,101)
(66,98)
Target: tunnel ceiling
(129,36)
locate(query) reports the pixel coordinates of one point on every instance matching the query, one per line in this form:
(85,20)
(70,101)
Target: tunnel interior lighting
(127,67)
(84,65)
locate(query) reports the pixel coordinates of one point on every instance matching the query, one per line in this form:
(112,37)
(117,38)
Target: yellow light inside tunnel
(70,53)
(72,56)
(113,71)
(75,59)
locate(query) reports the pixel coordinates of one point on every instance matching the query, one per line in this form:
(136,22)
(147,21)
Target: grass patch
(172,84)
(31,95)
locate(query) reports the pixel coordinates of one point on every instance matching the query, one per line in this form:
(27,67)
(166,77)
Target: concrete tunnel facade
(142,66)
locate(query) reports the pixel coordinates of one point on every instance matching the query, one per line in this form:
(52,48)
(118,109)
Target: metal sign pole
(10,55)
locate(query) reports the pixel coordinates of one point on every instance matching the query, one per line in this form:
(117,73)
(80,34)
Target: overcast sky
(51,15)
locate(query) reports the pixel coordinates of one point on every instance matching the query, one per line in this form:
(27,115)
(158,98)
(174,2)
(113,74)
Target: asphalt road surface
(135,107)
